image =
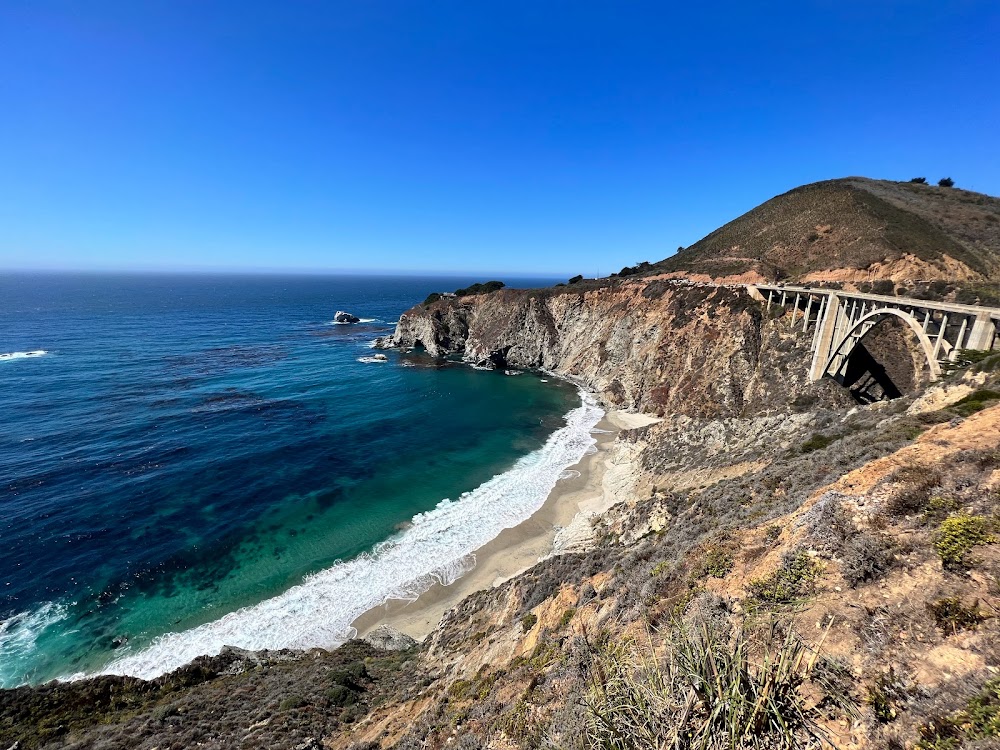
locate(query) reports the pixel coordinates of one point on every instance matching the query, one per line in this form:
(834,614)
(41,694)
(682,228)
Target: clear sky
(468,135)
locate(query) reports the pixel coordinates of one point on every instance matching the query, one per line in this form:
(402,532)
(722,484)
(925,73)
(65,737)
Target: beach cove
(559,525)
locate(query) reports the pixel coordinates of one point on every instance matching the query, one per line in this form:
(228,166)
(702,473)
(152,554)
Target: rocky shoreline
(774,516)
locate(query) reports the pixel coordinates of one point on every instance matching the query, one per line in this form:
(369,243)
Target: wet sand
(516,549)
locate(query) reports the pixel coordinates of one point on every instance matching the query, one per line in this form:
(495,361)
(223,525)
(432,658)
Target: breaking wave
(22,355)
(436,548)
(19,636)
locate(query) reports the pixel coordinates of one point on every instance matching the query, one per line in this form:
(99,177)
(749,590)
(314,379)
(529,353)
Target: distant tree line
(943,182)
(489,286)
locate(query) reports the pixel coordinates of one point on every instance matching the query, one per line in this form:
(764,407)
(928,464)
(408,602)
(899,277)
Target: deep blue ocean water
(203,460)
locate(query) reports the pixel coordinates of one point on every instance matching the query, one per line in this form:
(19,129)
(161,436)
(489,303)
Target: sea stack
(345,317)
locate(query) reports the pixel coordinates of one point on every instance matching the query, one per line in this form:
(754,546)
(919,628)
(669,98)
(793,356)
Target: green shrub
(939,508)
(566,617)
(292,701)
(975,401)
(919,180)
(341,695)
(717,563)
(951,615)
(489,286)
(576,279)
(528,621)
(946,182)
(818,442)
(885,287)
(432,298)
(979,720)
(794,580)
(459,688)
(771,533)
(350,674)
(956,537)
(885,694)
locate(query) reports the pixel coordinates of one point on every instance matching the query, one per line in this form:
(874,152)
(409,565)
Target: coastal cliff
(768,564)
(651,345)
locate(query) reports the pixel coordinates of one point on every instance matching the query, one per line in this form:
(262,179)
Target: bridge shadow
(867,378)
(885,364)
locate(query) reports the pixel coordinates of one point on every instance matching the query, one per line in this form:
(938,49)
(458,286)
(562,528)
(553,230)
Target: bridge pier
(983,334)
(825,333)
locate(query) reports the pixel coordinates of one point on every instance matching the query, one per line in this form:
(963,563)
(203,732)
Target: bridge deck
(992,312)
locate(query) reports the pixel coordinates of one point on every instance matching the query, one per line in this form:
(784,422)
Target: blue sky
(512,136)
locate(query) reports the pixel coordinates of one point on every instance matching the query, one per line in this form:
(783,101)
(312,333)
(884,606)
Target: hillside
(854,230)
(770,565)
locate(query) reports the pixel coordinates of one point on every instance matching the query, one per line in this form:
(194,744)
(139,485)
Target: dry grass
(710,691)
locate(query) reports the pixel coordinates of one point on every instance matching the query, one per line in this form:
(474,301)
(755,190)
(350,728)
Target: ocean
(192,461)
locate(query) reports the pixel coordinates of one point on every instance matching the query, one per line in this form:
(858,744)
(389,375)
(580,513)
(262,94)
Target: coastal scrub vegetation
(711,690)
(484,288)
(958,535)
(977,721)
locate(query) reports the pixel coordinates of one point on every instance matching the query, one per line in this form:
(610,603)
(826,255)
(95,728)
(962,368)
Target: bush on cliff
(489,286)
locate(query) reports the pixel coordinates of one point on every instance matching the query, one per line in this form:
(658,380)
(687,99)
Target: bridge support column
(826,327)
(983,334)
(941,334)
(953,354)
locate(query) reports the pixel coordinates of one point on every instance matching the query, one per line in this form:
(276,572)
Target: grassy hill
(856,228)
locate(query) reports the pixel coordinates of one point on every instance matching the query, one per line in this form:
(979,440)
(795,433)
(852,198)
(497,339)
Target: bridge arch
(925,342)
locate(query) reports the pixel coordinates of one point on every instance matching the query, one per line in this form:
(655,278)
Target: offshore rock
(345,317)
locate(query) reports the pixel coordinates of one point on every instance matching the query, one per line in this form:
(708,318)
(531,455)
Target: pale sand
(516,549)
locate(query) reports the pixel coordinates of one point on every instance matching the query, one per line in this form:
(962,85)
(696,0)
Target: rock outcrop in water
(345,317)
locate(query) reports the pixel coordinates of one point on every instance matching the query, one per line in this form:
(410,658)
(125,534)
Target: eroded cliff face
(661,346)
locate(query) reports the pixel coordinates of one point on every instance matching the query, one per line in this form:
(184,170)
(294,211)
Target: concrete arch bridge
(840,321)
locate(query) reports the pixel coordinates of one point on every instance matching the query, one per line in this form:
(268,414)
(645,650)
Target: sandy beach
(518,548)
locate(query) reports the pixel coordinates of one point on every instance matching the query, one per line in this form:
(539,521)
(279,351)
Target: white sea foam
(19,637)
(360,320)
(22,355)
(375,358)
(437,547)
(569,474)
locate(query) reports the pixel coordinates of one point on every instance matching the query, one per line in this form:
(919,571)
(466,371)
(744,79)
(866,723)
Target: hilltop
(854,229)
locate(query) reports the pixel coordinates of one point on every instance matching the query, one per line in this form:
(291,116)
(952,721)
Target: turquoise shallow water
(204,460)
